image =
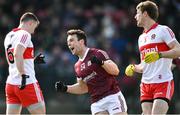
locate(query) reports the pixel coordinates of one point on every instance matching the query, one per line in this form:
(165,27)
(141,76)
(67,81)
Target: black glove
(23,81)
(39,59)
(94,59)
(60,86)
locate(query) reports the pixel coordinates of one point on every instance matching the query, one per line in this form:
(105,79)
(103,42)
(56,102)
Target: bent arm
(111,67)
(79,88)
(18,57)
(174,51)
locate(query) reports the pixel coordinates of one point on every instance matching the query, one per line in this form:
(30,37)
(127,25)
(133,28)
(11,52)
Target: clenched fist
(60,86)
(130,70)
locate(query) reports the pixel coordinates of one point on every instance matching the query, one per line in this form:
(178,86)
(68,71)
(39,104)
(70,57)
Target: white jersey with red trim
(13,38)
(157,39)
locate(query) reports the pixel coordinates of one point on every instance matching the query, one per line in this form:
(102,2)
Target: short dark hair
(29,16)
(150,7)
(79,33)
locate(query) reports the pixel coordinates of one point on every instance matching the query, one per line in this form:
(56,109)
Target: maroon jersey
(99,82)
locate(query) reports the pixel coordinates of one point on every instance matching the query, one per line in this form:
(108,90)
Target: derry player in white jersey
(22,88)
(158,46)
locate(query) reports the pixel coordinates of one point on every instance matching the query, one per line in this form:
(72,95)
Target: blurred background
(109,25)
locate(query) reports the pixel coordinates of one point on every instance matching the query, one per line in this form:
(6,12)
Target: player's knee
(160,106)
(38,108)
(38,111)
(102,113)
(13,109)
(146,107)
(121,113)
(146,112)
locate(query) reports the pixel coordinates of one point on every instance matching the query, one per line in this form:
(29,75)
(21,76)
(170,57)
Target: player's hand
(23,81)
(39,59)
(151,57)
(130,70)
(94,59)
(60,86)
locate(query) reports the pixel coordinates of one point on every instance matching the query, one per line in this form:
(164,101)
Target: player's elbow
(116,72)
(112,68)
(18,56)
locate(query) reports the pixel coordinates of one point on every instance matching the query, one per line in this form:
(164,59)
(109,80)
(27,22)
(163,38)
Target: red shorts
(152,91)
(31,94)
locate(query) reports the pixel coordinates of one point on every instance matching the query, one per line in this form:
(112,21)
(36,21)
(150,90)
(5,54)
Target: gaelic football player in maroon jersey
(96,74)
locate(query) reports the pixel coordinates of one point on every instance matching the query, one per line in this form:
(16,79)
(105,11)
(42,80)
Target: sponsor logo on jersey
(157,47)
(89,77)
(144,51)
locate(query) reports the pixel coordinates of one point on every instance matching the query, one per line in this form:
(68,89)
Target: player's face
(74,45)
(139,18)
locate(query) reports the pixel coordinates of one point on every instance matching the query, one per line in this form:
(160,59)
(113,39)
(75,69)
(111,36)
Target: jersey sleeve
(24,39)
(168,35)
(102,55)
(5,41)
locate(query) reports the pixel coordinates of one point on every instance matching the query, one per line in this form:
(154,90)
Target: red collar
(16,29)
(152,27)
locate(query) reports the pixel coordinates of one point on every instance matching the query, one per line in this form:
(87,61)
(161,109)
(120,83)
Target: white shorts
(113,104)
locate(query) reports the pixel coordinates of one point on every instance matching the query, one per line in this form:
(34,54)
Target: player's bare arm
(79,88)
(111,67)
(174,51)
(18,56)
(138,68)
